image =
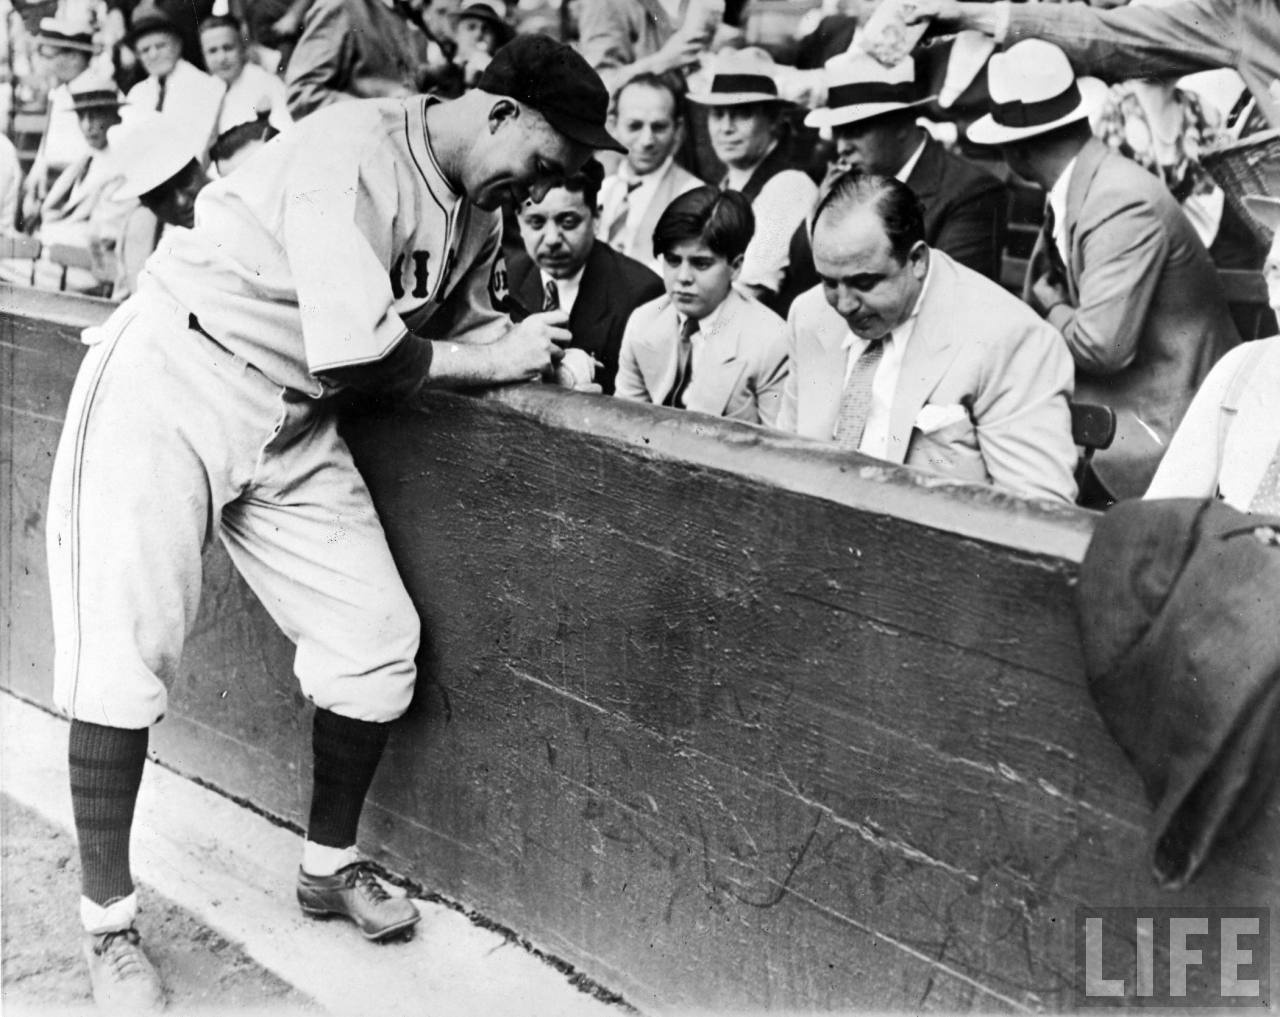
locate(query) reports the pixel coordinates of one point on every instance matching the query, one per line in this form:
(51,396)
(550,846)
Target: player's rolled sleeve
(340,271)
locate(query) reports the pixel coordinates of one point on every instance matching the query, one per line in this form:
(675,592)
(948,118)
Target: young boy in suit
(703,345)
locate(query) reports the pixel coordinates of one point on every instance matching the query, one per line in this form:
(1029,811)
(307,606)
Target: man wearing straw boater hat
(745,119)
(1118,268)
(903,355)
(871,112)
(66,47)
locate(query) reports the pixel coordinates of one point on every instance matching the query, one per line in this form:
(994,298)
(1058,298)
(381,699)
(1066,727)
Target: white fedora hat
(1033,91)
(737,78)
(150,148)
(860,87)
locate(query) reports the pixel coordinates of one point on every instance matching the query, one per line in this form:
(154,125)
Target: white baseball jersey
(330,243)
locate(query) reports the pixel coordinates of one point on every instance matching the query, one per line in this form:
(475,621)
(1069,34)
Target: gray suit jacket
(1146,318)
(741,376)
(976,352)
(676,180)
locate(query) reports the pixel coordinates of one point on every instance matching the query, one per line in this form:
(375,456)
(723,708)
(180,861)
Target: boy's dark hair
(232,140)
(720,219)
(665,82)
(587,182)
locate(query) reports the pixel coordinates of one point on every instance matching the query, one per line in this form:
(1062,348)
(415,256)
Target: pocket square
(934,417)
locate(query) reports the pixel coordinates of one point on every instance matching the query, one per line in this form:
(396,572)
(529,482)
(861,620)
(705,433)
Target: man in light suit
(902,354)
(648,117)
(1118,268)
(704,346)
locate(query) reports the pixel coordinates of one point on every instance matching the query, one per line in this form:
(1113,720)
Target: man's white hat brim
(985,130)
(825,116)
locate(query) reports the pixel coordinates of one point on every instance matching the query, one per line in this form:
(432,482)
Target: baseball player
(359,252)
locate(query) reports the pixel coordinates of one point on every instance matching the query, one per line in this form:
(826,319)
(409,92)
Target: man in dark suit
(1118,268)
(564,267)
(871,111)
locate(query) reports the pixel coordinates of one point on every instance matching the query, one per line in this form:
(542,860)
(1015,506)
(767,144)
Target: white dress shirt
(1058,202)
(910,164)
(614,191)
(706,327)
(875,436)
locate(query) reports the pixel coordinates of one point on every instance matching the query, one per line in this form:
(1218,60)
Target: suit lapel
(1088,162)
(925,180)
(929,354)
(642,241)
(717,378)
(592,303)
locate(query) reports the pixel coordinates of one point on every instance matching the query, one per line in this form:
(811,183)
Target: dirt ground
(41,968)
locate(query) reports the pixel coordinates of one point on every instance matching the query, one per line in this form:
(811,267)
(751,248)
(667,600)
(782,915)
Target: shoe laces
(359,875)
(121,952)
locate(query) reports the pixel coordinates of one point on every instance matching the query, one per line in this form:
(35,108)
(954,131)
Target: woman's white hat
(1033,91)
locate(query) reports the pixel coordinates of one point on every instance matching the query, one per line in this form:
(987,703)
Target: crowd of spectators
(804,233)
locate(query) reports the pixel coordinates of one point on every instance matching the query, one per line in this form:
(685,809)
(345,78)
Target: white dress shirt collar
(566,289)
(1058,202)
(875,436)
(910,164)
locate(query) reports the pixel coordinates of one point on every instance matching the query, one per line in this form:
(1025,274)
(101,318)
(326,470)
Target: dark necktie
(684,365)
(1057,267)
(160,94)
(551,297)
(855,403)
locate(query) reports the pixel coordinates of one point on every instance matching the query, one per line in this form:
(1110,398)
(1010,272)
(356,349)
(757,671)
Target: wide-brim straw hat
(1033,91)
(738,78)
(860,87)
(150,149)
(95,94)
(64,33)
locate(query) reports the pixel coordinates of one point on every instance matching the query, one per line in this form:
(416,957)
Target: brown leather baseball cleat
(354,892)
(123,979)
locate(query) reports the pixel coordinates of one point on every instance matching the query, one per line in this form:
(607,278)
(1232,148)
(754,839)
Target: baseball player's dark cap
(553,79)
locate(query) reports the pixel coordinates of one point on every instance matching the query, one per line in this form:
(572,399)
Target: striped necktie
(619,221)
(855,404)
(551,297)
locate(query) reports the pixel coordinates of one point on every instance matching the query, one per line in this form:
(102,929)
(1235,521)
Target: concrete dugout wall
(719,717)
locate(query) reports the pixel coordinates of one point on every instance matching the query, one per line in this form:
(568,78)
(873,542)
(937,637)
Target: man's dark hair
(223,21)
(587,182)
(720,219)
(666,82)
(231,141)
(898,208)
